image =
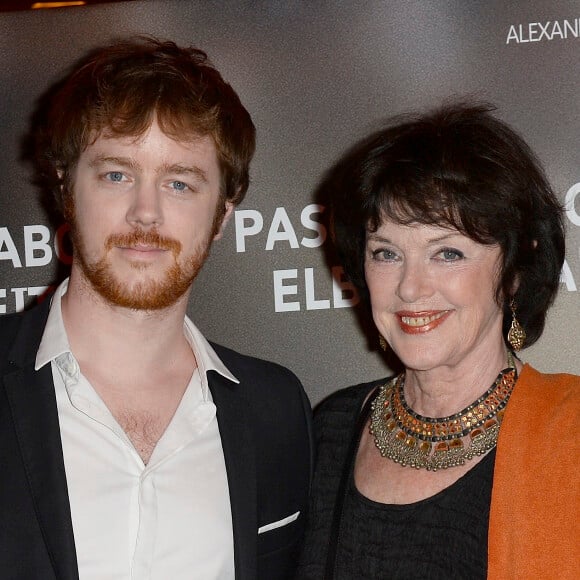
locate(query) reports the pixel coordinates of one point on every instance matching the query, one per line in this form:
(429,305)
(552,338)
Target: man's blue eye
(179,185)
(115,176)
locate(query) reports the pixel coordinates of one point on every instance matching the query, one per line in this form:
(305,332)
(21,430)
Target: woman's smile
(420,322)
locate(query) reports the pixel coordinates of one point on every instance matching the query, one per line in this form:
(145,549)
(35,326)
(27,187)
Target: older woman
(465,464)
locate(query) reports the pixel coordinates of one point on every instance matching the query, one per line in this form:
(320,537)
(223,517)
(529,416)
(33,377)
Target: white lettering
(243,231)
(38,291)
(543,31)
(10,253)
(570,204)
(36,241)
(250,223)
(567,278)
(313,225)
(311,302)
(19,298)
(286,234)
(37,248)
(344,294)
(281,290)
(568,27)
(557,30)
(512,35)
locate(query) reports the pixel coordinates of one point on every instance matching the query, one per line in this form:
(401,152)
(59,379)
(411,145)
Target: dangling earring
(382,342)
(516,335)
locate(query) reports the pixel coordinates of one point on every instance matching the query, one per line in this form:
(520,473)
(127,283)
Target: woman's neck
(445,390)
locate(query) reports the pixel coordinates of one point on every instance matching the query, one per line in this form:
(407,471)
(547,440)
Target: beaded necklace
(429,443)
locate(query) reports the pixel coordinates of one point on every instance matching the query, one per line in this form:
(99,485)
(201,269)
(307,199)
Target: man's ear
(225,219)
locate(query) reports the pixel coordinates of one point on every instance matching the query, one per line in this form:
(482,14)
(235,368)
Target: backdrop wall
(316,77)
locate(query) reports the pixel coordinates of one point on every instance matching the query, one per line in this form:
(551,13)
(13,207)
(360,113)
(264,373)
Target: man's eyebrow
(112,160)
(179,169)
(176,168)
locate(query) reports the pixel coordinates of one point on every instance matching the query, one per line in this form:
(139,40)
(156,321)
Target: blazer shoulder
(10,325)
(21,332)
(246,367)
(348,398)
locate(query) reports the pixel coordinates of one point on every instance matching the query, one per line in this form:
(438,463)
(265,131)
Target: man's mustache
(140,238)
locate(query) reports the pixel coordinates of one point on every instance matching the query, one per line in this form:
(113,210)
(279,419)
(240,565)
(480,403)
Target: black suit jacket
(264,425)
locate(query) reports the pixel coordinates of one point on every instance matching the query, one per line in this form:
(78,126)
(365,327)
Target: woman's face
(432,294)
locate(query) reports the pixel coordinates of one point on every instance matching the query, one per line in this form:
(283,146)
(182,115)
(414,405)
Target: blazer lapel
(33,407)
(239,454)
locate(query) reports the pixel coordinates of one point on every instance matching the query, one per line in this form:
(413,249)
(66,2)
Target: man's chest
(158,519)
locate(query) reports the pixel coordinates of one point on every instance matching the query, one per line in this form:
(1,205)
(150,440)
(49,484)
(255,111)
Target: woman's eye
(450,255)
(384,254)
(115,176)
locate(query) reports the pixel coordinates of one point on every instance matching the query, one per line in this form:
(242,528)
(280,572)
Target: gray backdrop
(316,76)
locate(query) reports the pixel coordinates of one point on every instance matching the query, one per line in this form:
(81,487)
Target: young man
(130,446)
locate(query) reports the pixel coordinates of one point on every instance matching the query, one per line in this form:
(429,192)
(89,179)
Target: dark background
(316,76)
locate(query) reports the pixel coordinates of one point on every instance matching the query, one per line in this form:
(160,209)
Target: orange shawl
(534,526)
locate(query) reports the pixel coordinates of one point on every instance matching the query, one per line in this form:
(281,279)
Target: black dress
(441,537)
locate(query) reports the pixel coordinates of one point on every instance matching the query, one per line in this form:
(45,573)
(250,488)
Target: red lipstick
(421,322)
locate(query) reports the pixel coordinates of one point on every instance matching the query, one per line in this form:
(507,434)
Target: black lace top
(444,536)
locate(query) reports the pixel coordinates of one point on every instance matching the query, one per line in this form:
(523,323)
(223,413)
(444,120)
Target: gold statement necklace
(430,443)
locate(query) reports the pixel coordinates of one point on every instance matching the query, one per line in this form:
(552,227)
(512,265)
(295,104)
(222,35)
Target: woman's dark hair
(458,167)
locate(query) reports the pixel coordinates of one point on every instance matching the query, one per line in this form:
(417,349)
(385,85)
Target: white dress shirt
(167,520)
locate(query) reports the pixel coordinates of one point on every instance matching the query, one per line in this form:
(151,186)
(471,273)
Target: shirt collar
(54,339)
(55,343)
(206,357)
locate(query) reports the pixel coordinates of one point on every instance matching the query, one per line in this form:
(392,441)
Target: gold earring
(516,335)
(382,342)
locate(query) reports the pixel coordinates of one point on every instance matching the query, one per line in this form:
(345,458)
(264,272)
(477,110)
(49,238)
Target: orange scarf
(534,526)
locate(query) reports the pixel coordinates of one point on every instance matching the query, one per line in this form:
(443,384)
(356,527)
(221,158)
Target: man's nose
(145,210)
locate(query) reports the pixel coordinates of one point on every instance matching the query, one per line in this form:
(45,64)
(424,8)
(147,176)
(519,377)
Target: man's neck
(112,337)
(139,363)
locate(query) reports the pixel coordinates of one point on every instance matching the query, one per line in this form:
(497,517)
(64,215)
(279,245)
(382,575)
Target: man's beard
(143,295)
(147,294)
(150,294)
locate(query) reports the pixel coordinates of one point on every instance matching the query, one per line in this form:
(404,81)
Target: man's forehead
(111,143)
(109,133)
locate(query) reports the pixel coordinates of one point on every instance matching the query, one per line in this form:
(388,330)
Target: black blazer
(265,429)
